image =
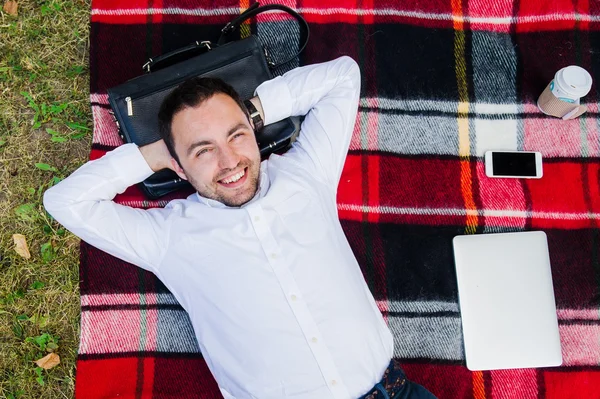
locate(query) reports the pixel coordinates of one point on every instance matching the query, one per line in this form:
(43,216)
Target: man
(257,256)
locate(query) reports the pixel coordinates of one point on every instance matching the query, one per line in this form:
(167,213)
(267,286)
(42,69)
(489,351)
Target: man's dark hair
(191,93)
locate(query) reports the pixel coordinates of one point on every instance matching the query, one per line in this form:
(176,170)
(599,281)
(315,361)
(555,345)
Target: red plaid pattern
(443,81)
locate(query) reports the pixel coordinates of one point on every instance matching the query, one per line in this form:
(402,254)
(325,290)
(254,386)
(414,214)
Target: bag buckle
(204,43)
(146,66)
(228,28)
(270,62)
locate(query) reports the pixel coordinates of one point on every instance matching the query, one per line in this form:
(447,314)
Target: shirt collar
(263,186)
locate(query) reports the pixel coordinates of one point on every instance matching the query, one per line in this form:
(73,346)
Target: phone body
(514,164)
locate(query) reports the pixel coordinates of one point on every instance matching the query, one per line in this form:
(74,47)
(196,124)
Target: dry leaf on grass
(48,361)
(10,7)
(21,246)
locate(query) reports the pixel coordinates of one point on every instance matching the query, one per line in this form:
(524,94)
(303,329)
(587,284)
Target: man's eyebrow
(196,144)
(236,128)
(200,143)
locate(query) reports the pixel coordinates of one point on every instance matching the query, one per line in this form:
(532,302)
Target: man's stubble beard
(252,182)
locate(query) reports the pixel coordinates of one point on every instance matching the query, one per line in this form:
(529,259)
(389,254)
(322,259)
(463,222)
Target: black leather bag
(244,64)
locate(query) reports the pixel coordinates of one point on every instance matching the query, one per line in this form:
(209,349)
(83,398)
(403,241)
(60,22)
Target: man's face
(217,149)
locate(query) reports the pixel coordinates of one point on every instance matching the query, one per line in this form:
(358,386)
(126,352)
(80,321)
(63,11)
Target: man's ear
(175,166)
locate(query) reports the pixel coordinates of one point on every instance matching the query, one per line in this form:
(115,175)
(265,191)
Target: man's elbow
(52,202)
(352,65)
(350,69)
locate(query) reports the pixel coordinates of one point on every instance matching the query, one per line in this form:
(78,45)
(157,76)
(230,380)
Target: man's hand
(157,155)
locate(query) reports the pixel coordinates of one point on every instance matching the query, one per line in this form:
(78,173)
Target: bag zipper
(129,106)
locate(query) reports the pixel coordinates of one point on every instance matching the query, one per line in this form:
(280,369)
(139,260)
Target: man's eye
(235,136)
(203,151)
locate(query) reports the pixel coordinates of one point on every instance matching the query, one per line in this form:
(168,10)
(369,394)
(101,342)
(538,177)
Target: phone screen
(514,164)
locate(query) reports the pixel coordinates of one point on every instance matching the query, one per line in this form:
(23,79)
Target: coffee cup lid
(574,80)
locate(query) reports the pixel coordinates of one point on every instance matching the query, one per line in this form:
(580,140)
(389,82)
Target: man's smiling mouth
(234,180)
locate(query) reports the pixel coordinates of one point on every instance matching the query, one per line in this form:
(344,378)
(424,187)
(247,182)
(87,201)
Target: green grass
(45,133)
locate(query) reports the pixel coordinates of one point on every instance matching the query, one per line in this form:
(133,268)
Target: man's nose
(228,158)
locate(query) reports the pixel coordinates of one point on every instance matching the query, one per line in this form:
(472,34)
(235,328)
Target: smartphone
(514,164)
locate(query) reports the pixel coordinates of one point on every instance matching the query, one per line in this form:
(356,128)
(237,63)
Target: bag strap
(255,9)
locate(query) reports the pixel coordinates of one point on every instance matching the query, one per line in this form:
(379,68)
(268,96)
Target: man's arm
(328,95)
(83,204)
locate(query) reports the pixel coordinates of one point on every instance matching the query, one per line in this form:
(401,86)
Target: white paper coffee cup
(571,83)
(561,98)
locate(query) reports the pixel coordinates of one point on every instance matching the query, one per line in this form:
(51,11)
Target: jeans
(410,390)
(394,385)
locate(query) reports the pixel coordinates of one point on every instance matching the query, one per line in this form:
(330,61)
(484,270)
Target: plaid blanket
(443,81)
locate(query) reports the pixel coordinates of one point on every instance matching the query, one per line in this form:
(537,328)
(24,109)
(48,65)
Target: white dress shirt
(275,295)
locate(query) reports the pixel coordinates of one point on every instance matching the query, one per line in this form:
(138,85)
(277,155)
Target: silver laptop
(507,301)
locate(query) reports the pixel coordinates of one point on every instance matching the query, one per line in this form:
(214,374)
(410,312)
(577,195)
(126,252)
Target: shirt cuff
(276,99)
(129,164)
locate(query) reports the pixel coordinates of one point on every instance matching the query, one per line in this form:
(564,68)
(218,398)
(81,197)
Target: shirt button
(294,297)
(273,255)
(333,382)
(256,218)
(314,340)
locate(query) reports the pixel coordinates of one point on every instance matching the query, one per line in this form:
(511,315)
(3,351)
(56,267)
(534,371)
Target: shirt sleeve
(83,204)
(327,94)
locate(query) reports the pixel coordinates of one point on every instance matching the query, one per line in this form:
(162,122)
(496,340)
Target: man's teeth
(235,177)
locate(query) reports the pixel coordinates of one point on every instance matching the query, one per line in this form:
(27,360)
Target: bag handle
(153,62)
(253,10)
